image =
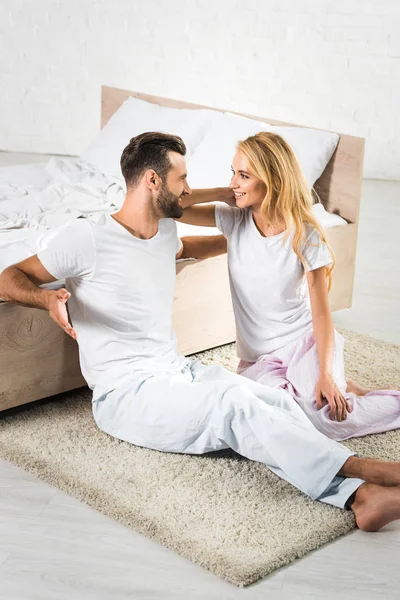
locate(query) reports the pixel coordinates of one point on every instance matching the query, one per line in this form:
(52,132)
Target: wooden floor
(53,547)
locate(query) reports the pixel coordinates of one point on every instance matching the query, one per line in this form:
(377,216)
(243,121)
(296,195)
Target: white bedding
(37,200)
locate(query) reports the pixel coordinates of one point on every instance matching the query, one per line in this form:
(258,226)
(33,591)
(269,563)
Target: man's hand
(57,307)
(327,390)
(226,195)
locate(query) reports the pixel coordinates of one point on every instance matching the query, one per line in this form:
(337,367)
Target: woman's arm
(325,340)
(321,318)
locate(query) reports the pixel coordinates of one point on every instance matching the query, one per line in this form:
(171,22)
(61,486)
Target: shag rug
(225,513)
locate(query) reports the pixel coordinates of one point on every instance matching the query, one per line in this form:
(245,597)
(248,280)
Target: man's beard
(168,203)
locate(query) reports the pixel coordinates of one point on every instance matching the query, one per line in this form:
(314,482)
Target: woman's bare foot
(379,472)
(375,506)
(356,389)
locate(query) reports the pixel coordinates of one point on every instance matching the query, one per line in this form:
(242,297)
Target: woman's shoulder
(311,234)
(229,217)
(234,211)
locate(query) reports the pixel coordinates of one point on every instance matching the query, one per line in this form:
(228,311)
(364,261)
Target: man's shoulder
(79,226)
(167,226)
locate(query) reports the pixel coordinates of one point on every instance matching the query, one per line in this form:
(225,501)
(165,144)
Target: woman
(280,269)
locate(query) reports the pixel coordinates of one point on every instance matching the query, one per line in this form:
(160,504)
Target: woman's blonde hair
(288,197)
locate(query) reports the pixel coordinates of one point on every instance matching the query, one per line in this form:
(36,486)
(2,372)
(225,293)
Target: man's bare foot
(356,389)
(379,472)
(375,506)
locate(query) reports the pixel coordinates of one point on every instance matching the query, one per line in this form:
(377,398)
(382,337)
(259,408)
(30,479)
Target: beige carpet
(224,513)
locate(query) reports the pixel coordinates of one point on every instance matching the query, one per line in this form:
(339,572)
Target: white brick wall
(332,64)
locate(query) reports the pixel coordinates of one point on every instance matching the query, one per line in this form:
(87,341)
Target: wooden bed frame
(38,360)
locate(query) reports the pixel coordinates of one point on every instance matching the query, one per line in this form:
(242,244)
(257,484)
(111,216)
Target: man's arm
(204,216)
(19,283)
(221,194)
(202,246)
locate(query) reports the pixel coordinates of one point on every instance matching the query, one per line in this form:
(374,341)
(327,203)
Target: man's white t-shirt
(268,283)
(122,290)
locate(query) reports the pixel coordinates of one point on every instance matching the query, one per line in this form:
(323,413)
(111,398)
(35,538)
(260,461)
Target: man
(120,275)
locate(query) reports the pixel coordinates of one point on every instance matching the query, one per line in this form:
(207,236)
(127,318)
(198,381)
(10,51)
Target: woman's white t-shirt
(268,283)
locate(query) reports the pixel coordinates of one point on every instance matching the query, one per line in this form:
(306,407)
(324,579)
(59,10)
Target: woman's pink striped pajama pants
(295,368)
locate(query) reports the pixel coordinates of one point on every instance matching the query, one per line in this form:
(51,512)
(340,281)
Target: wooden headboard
(339,186)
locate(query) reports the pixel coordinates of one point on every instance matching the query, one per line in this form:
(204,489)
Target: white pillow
(210,166)
(327,219)
(137,116)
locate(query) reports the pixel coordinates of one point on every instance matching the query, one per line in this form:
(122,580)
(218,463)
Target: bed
(38,360)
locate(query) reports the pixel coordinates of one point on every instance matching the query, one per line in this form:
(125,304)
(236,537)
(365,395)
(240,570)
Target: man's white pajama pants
(192,408)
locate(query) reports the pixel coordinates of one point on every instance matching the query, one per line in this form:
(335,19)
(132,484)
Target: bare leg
(375,506)
(356,389)
(378,472)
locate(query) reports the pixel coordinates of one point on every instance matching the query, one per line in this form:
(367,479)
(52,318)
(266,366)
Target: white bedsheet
(36,200)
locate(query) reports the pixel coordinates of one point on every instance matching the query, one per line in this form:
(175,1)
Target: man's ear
(152,179)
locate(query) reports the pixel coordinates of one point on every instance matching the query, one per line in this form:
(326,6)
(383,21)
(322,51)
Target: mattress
(37,200)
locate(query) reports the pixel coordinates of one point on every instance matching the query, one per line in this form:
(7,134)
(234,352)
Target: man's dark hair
(149,151)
